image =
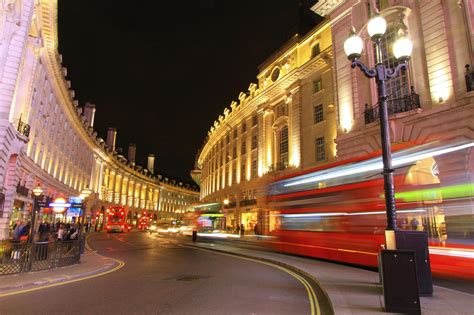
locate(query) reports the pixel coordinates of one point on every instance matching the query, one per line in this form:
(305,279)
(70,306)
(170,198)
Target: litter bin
(400,282)
(418,242)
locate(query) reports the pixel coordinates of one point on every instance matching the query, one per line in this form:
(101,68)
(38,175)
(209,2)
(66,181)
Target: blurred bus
(337,212)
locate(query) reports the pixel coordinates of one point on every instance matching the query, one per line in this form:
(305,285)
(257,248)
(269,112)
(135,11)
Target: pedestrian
(44,230)
(255,229)
(25,231)
(61,233)
(73,232)
(414,224)
(242,229)
(17,230)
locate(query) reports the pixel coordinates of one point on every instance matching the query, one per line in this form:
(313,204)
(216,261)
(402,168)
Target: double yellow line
(313,300)
(119,262)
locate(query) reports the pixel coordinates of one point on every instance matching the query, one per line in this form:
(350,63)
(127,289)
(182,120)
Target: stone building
(260,137)
(47,138)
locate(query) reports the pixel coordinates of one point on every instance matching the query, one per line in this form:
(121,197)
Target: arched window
(399,86)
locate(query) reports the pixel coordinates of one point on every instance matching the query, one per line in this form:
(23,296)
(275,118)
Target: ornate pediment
(324,7)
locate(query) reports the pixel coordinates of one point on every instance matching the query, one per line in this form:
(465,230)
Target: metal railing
(394,106)
(18,257)
(277,167)
(469,76)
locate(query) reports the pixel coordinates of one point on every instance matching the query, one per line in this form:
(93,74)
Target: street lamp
(402,50)
(86,192)
(37,191)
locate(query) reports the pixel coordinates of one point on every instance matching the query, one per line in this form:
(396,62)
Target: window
(315,50)
(244,127)
(254,168)
(320,149)
(284,145)
(235,133)
(242,172)
(234,175)
(243,148)
(318,113)
(228,139)
(234,152)
(254,120)
(317,86)
(254,142)
(398,86)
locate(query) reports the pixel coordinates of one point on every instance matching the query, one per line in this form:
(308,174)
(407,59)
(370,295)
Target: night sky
(162,71)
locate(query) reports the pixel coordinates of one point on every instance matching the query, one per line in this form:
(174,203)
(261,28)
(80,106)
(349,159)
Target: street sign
(77,205)
(59,205)
(42,204)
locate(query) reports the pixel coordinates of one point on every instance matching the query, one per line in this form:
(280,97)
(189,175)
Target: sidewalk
(91,264)
(356,291)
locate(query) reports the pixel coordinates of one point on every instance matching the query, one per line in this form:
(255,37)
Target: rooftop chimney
(89,112)
(151,163)
(132,150)
(111,137)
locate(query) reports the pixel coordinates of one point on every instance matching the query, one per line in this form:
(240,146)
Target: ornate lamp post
(37,191)
(402,50)
(86,192)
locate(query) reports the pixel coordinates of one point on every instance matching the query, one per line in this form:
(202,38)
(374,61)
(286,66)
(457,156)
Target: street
(161,276)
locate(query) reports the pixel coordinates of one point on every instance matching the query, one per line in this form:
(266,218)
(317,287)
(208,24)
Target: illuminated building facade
(261,136)
(46,138)
(433,100)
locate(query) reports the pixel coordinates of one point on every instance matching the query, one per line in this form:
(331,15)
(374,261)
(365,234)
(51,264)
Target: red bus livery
(338,212)
(116,220)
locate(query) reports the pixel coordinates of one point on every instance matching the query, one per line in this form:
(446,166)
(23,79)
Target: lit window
(254,120)
(254,168)
(284,146)
(320,149)
(254,142)
(315,50)
(318,113)
(317,86)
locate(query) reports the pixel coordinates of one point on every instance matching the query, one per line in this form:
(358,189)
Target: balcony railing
(394,106)
(469,75)
(277,167)
(23,128)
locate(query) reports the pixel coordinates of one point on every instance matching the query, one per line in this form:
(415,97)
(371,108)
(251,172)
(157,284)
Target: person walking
(242,229)
(61,233)
(17,230)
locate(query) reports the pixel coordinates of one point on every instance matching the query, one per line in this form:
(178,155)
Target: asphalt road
(161,276)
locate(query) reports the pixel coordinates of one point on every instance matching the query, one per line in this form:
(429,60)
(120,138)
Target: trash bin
(418,242)
(400,282)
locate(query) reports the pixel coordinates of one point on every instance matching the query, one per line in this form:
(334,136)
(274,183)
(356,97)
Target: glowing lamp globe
(402,49)
(37,191)
(376,27)
(353,45)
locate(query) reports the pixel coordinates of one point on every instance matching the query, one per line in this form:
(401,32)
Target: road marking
(313,300)
(119,266)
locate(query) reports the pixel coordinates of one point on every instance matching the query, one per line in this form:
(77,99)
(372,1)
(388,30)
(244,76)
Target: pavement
(91,265)
(353,290)
(350,290)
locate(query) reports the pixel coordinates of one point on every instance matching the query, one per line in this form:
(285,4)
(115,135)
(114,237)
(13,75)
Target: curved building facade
(47,138)
(261,136)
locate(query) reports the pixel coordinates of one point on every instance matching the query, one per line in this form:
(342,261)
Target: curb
(325,302)
(33,284)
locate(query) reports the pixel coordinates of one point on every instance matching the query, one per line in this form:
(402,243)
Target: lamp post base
(390,240)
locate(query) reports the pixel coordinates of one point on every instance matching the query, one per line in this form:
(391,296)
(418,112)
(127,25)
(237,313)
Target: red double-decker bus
(116,220)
